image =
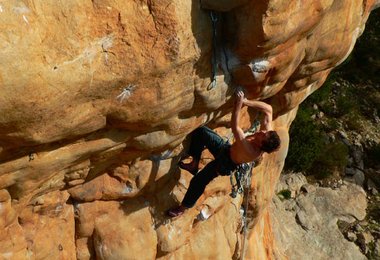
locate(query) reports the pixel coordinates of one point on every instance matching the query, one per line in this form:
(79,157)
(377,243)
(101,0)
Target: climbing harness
(214,20)
(242,177)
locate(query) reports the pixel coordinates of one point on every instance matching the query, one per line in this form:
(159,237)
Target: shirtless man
(227,157)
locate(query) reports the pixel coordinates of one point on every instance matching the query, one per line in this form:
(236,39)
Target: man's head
(271,142)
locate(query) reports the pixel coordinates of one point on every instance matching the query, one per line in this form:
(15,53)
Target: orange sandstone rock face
(97,98)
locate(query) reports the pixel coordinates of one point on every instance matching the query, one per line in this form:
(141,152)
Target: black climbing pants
(202,138)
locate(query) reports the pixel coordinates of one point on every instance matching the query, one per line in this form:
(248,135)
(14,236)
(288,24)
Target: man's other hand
(239,98)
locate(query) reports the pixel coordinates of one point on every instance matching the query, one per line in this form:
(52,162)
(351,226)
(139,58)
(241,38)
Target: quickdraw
(241,178)
(214,20)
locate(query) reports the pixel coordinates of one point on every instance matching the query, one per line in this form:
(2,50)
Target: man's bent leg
(198,184)
(204,137)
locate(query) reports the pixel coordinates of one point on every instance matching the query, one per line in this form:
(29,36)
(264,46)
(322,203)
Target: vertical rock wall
(97,98)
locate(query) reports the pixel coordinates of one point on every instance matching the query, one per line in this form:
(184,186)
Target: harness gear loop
(214,20)
(242,177)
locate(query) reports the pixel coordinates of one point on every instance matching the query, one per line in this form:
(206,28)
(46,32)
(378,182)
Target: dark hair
(271,143)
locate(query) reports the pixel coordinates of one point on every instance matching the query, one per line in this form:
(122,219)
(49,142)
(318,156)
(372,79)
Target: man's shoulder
(247,148)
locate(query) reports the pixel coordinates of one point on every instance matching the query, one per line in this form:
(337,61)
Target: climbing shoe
(188,167)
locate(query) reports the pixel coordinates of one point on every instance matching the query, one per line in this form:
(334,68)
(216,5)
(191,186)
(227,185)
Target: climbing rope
(246,196)
(214,20)
(241,175)
(242,184)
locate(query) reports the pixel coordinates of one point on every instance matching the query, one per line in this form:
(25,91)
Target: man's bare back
(248,150)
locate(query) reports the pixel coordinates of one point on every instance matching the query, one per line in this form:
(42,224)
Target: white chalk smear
(1,9)
(106,58)
(91,51)
(7,255)
(101,249)
(25,19)
(204,214)
(21,10)
(106,42)
(127,189)
(260,65)
(127,91)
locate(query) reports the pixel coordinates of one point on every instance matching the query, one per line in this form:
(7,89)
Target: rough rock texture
(97,98)
(308,222)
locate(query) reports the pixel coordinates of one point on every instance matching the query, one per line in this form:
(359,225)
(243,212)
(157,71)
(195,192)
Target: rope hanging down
(242,184)
(246,196)
(214,63)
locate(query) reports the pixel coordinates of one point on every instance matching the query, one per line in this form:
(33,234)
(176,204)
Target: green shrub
(353,121)
(321,172)
(306,142)
(308,150)
(346,104)
(373,155)
(328,108)
(333,158)
(331,124)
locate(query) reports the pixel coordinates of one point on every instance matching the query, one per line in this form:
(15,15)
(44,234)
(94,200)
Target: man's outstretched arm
(263,107)
(235,119)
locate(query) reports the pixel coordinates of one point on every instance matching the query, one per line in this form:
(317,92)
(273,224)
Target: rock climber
(227,156)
